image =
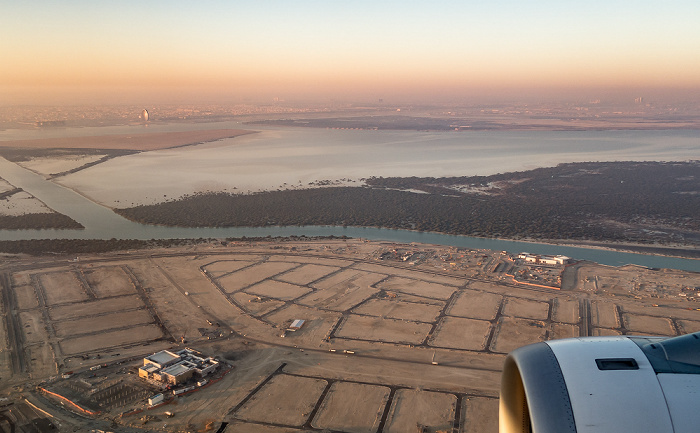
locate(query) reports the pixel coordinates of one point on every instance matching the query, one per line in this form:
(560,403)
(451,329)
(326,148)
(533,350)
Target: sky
(219,50)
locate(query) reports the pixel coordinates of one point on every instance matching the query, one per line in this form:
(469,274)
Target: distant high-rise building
(638,100)
(144,115)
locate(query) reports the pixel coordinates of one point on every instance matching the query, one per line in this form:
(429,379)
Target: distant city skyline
(176,51)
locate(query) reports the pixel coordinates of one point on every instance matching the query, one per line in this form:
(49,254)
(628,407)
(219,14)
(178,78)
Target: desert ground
(386,346)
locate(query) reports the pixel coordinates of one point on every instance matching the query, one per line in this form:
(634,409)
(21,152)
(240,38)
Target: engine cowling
(602,384)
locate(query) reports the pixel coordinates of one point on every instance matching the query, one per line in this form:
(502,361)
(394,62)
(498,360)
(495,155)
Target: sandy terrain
(26,297)
(33,326)
(55,164)
(562,330)
(318,323)
(256,304)
(307,274)
(22,203)
(352,407)
(648,325)
(412,407)
(379,343)
(176,311)
(526,308)
(394,309)
(105,322)
(479,415)
(420,288)
(459,333)
(254,274)
(97,342)
(388,330)
(95,307)
(5,185)
(278,290)
(512,333)
(221,267)
(109,281)
(62,287)
(398,272)
(565,310)
(689,326)
(142,142)
(478,305)
(604,314)
(284,400)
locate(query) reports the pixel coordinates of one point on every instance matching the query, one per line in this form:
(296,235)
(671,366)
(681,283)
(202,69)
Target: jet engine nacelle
(603,384)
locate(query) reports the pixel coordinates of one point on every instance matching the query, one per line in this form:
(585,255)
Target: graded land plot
(563,330)
(394,309)
(41,359)
(324,261)
(689,326)
(526,308)
(26,297)
(604,314)
(408,374)
(411,274)
(277,290)
(285,400)
(343,290)
(512,333)
(648,324)
(565,310)
(109,281)
(461,333)
(352,407)
(679,313)
(306,274)
(479,415)
(22,278)
(103,340)
(62,287)
(245,427)
(418,287)
(175,310)
(254,274)
(475,304)
(604,332)
(255,304)
(511,291)
(338,299)
(318,324)
(412,407)
(386,330)
(33,326)
(102,323)
(219,268)
(92,308)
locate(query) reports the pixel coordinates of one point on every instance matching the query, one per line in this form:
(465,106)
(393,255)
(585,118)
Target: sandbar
(138,142)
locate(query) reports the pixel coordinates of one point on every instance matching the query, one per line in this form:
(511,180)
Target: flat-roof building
(178,367)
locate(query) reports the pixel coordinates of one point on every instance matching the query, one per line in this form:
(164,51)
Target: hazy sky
(326,48)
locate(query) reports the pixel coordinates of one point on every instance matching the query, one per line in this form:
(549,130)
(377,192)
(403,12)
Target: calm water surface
(280,157)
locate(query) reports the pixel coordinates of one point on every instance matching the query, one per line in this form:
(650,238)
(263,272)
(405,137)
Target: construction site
(290,336)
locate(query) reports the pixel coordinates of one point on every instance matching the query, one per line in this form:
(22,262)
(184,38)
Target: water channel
(101,223)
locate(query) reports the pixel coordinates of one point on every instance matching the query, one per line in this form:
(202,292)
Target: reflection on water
(293,157)
(284,157)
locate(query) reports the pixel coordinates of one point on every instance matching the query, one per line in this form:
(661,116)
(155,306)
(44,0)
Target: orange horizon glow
(325,49)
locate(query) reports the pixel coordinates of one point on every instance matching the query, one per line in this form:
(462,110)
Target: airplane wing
(603,384)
